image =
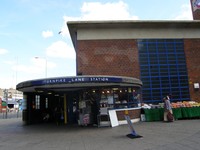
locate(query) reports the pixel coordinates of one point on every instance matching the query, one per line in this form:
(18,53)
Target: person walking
(168,114)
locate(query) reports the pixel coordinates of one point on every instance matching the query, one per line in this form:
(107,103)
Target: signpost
(133,133)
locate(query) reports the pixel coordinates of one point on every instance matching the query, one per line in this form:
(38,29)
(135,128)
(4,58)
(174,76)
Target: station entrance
(72,107)
(60,108)
(77,100)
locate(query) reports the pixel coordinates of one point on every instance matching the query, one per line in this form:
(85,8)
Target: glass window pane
(163,69)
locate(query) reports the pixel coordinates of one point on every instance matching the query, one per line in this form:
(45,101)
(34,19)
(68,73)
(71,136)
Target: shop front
(83,100)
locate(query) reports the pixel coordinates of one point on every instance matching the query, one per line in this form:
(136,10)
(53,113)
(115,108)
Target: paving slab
(179,135)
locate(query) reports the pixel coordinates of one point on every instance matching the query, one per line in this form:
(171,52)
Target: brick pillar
(192,53)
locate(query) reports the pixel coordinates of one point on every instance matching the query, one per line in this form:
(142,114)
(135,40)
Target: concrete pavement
(179,135)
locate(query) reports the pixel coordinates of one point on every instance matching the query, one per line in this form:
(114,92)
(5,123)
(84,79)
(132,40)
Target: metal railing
(11,114)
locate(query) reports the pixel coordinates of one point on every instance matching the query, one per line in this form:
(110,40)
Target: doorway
(72,99)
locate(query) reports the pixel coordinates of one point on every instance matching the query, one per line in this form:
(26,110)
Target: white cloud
(9,62)
(60,49)
(100,11)
(3,51)
(26,69)
(185,13)
(106,11)
(47,34)
(64,29)
(43,63)
(36,66)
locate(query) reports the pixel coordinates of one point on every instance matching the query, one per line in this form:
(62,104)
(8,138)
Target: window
(163,69)
(120,97)
(37,101)
(46,103)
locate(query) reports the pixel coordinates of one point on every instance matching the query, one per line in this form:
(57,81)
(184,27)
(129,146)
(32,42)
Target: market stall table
(191,112)
(177,112)
(156,114)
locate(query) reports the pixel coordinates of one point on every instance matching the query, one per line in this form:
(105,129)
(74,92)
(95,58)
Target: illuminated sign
(81,80)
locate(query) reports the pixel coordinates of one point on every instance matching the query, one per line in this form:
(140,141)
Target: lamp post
(45,65)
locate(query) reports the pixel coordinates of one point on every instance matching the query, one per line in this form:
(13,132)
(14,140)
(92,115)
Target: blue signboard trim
(81,79)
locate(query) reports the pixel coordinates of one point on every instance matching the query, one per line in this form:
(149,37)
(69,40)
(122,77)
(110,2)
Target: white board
(113,118)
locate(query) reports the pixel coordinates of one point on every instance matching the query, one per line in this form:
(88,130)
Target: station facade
(83,100)
(120,64)
(164,55)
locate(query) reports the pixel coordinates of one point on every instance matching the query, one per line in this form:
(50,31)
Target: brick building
(163,54)
(195,5)
(112,59)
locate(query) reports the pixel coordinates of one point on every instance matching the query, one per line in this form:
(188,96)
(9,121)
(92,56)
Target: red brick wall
(192,53)
(120,57)
(196,15)
(108,57)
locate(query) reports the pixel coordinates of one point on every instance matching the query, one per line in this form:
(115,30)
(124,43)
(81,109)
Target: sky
(31,48)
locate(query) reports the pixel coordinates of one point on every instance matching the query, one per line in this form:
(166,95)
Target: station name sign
(78,79)
(81,80)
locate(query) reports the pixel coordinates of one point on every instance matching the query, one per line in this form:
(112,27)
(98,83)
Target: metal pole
(6,103)
(6,97)
(65,109)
